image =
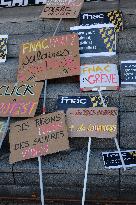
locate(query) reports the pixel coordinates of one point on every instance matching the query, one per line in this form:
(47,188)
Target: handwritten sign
(19,100)
(16,3)
(42,135)
(96,40)
(3,47)
(65,102)
(128,71)
(53,57)
(115,17)
(92,122)
(112,159)
(99,77)
(62,9)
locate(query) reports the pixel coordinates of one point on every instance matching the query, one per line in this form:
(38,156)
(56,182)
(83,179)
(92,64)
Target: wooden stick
(5,132)
(86,171)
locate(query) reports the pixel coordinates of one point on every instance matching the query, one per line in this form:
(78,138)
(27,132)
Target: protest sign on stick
(19,99)
(66,102)
(128,74)
(112,159)
(96,77)
(62,9)
(49,58)
(96,40)
(114,17)
(41,135)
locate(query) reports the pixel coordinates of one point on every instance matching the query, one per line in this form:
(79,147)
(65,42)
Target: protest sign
(53,57)
(65,102)
(112,159)
(19,100)
(62,9)
(41,135)
(115,17)
(99,77)
(3,47)
(128,73)
(16,3)
(92,122)
(96,40)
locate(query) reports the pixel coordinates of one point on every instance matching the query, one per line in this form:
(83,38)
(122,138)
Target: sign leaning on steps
(19,99)
(3,47)
(62,9)
(128,73)
(99,77)
(96,40)
(66,102)
(41,135)
(16,3)
(92,122)
(115,17)
(48,58)
(112,159)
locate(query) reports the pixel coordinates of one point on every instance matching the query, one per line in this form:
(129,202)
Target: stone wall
(64,172)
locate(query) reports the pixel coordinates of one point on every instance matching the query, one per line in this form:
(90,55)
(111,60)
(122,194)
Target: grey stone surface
(64,172)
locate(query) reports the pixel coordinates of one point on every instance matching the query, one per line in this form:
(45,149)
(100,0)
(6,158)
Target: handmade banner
(62,9)
(99,77)
(115,17)
(53,57)
(92,122)
(65,102)
(19,100)
(14,3)
(128,73)
(3,47)
(34,137)
(112,159)
(96,40)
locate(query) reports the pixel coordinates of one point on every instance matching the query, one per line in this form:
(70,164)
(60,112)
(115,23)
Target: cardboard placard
(66,102)
(3,47)
(16,3)
(19,99)
(3,124)
(42,135)
(92,122)
(99,77)
(96,40)
(62,9)
(53,57)
(112,159)
(115,17)
(128,73)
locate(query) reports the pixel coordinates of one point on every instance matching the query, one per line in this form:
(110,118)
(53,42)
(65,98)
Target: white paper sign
(99,77)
